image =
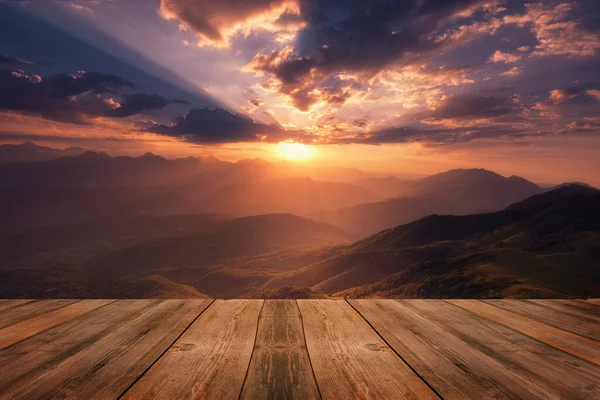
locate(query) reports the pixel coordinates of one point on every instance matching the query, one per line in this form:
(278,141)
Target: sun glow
(291,150)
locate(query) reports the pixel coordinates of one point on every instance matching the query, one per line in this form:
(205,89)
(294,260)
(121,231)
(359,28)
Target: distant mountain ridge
(30,152)
(95,184)
(457,192)
(545,246)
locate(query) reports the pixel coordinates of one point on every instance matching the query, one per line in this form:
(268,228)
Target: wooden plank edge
(308,352)
(262,307)
(9,342)
(394,350)
(210,302)
(548,329)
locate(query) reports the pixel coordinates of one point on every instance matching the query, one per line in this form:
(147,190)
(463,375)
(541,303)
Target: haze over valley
(93,225)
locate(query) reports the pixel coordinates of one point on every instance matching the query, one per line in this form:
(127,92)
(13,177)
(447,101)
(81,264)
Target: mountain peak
(151,156)
(90,155)
(560,193)
(29,145)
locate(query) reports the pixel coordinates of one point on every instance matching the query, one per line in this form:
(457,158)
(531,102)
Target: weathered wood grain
(107,368)
(463,349)
(579,308)
(579,346)
(210,359)
(551,371)
(350,360)
(6,304)
(454,368)
(584,326)
(13,333)
(280,366)
(589,307)
(22,311)
(26,360)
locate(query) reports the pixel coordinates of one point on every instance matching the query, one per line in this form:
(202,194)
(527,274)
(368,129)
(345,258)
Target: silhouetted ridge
(152,156)
(567,194)
(456,192)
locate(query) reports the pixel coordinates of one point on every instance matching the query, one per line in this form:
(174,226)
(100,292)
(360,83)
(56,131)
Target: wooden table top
(304,349)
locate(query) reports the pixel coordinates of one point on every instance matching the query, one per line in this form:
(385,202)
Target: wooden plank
(29,309)
(32,326)
(210,360)
(584,326)
(454,368)
(350,360)
(579,346)
(26,360)
(583,306)
(280,366)
(593,301)
(574,307)
(6,304)
(108,367)
(559,374)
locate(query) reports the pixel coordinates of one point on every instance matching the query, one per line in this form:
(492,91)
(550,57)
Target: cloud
(4,59)
(362,39)
(574,96)
(472,106)
(595,93)
(557,32)
(79,7)
(73,98)
(138,103)
(218,125)
(514,71)
(500,57)
(254,105)
(430,136)
(216,21)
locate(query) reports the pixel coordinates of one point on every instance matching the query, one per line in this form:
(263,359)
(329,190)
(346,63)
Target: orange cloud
(556,34)
(215,22)
(514,71)
(507,58)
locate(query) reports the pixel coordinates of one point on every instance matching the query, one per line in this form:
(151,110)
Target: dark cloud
(217,125)
(433,136)
(257,103)
(73,98)
(61,97)
(472,106)
(138,103)
(355,36)
(63,85)
(254,105)
(4,59)
(360,122)
(212,19)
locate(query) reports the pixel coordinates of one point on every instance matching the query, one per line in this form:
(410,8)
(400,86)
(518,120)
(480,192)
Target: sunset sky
(402,87)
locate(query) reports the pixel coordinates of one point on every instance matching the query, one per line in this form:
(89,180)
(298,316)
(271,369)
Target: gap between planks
(166,349)
(574,344)
(394,350)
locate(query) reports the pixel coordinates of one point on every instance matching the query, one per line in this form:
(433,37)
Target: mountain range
(28,152)
(545,246)
(457,192)
(94,225)
(93,185)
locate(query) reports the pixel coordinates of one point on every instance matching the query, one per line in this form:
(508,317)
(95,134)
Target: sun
(294,151)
